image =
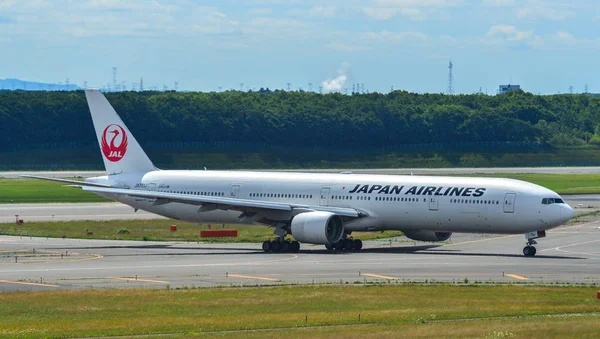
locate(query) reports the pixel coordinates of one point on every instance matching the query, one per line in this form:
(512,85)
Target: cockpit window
(548,201)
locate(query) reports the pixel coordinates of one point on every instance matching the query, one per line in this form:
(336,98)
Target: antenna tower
(310,86)
(114,78)
(571,89)
(141,84)
(176,83)
(450,89)
(288,86)
(585,89)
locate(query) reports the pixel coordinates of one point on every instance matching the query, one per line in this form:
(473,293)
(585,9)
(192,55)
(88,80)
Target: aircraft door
(509,202)
(433,203)
(324,201)
(235,191)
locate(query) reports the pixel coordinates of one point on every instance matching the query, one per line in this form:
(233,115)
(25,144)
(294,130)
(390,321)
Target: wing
(209,202)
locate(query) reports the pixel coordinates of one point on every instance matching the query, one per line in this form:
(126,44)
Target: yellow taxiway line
(518,277)
(379,276)
(251,277)
(27,283)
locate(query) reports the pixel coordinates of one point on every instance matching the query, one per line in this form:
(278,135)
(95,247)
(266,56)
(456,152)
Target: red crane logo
(115,148)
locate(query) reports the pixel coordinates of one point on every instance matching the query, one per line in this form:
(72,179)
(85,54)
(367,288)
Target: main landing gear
(529,250)
(346,245)
(279,246)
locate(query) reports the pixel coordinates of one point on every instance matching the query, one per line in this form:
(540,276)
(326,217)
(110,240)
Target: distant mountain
(16,84)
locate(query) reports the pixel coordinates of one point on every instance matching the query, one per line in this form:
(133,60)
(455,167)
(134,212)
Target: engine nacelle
(428,235)
(318,227)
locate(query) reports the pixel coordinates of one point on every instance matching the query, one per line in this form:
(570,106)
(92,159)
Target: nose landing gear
(529,250)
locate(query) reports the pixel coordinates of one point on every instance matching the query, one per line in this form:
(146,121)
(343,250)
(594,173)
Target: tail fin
(120,151)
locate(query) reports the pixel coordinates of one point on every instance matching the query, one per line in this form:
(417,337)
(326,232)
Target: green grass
(560,183)
(157,229)
(386,311)
(39,191)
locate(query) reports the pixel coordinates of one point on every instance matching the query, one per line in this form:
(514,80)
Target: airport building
(505,88)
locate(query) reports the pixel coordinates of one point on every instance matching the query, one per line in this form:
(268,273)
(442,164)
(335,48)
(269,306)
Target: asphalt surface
(569,254)
(408,171)
(68,212)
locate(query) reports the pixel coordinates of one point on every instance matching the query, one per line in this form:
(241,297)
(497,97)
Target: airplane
(317,208)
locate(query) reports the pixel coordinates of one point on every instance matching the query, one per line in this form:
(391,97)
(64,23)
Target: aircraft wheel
(357,244)
(285,247)
(329,247)
(295,247)
(266,246)
(529,251)
(349,245)
(276,246)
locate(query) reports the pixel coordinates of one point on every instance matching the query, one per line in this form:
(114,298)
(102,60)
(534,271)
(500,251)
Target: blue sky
(543,45)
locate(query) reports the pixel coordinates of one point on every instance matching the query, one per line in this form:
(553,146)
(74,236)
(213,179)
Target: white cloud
(260,11)
(499,3)
(390,37)
(6,3)
(512,37)
(418,3)
(509,33)
(340,46)
(380,13)
(545,12)
(322,11)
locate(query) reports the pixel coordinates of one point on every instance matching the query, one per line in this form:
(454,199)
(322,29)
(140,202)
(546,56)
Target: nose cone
(566,212)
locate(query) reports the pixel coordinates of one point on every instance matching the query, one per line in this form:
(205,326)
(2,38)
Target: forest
(265,118)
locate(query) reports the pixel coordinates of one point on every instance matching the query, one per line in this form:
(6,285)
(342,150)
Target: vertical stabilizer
(120,151)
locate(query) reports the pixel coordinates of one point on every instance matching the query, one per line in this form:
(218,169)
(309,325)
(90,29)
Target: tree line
(297,118)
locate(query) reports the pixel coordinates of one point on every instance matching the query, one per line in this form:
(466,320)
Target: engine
(428,235)
(317,227)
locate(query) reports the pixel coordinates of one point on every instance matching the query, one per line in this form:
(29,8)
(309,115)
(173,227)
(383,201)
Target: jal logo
(114,142)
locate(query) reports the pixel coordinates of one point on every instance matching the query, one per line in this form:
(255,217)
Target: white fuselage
(445,204)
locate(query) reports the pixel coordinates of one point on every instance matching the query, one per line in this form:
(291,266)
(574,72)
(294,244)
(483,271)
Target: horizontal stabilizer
(76,183)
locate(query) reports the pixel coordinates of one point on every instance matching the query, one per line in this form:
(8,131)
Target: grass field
(560,183)
(39,191)
(386,311)
(158,229)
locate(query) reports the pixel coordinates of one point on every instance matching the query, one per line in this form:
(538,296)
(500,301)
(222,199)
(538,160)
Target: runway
(112,211)
(568,255)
